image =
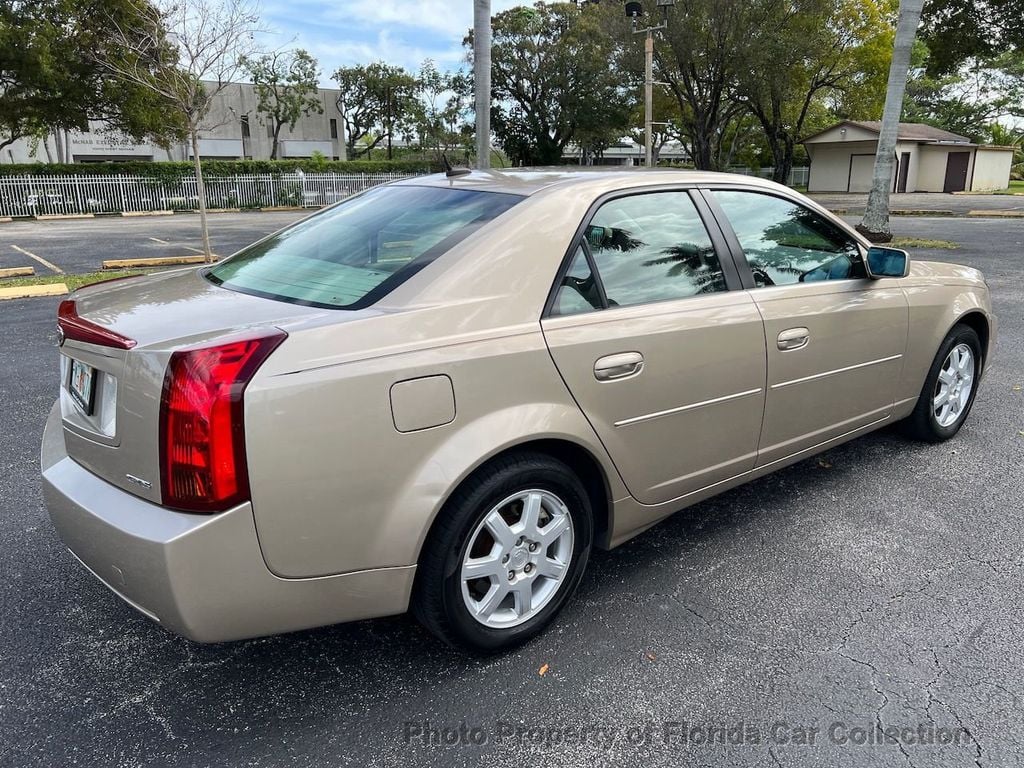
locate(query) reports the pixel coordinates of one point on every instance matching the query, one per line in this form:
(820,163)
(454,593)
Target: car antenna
(452,172)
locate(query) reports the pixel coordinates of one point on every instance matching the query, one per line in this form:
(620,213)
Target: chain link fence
(107,193)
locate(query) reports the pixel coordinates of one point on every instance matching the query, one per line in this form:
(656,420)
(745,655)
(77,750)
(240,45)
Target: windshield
(351,255)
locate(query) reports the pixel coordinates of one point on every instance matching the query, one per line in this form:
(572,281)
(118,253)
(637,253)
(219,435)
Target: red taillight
(202,435)
(79,329)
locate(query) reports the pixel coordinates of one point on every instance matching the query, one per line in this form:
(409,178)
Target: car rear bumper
(201,576)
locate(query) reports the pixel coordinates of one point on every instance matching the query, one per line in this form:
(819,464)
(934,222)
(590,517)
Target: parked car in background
(440,394)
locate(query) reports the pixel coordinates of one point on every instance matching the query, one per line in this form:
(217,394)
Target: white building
(629,153)
(237,132)
(928,159)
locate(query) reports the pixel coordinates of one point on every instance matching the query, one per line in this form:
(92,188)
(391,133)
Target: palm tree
(875,223)
(482,80)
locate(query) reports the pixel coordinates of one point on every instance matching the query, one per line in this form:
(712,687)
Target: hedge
(171,171)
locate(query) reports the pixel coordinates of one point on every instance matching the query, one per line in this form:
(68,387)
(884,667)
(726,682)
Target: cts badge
(138,481)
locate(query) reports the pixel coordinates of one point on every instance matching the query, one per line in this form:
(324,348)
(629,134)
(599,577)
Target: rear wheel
(949,390)
(506,553)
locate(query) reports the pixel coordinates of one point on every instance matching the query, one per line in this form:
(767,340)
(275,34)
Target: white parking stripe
(158,240)
(40,259)
(190,248)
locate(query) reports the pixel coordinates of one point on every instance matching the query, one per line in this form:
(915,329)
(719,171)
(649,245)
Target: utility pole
(649,98)
(482,80)
(634,11)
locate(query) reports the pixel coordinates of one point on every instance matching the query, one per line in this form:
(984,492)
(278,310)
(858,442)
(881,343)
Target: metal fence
(47,195)
(797,176)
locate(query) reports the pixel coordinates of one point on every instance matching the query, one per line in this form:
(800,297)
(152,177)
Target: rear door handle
(618,366)
(794,338)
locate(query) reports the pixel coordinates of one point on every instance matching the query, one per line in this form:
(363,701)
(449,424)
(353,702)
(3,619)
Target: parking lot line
(158,240)
(40,259)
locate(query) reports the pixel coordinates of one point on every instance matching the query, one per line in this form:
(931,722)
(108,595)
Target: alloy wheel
(954,386)
(517,558)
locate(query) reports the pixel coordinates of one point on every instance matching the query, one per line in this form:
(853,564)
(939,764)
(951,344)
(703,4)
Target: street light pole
(634,10)
(482,80)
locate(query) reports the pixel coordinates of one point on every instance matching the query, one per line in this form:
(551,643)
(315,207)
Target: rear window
(351,255)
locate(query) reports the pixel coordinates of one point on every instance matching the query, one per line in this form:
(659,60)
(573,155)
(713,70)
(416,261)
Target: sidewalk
(936,203)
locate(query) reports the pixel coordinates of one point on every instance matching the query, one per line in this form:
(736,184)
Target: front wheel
(949,390)
(506,553)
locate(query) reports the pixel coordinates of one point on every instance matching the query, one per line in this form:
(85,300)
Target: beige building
(928,159)
(236,131)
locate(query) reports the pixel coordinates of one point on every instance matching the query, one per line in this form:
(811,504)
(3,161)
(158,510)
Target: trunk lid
(114,429)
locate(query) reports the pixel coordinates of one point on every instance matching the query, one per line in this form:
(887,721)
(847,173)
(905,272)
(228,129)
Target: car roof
(529,181)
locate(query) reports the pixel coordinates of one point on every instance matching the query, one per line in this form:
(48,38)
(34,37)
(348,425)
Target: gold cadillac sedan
(439,394)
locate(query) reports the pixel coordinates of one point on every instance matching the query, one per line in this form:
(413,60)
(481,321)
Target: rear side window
(784,242)
(646,248)
(352,255)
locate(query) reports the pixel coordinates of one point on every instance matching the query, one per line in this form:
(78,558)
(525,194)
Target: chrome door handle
(618,366)
(794,338)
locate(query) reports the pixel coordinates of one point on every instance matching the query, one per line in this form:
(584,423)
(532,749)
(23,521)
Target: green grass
(73,282)
(921,242)
(1015,188)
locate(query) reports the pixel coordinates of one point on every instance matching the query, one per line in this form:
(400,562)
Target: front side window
(785,243)
(650,247)
(353,254)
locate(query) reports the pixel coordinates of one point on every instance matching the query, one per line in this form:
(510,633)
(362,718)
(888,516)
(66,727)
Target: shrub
(172,171)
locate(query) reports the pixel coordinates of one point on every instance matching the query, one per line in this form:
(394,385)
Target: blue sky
(346,32)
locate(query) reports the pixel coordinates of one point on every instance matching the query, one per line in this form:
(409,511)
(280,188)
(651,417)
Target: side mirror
(887,262)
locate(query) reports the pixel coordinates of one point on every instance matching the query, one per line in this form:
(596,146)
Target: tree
(959,102)
(442,103)
(50,80)
(376,101)
(287,87)
(551,83)
(698,56)
(959,30)
(206,43)
(799,54)
(875,223)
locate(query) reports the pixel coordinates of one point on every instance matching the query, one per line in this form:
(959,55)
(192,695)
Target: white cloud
(402,32)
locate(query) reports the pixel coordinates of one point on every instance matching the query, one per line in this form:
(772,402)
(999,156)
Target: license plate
(83,384)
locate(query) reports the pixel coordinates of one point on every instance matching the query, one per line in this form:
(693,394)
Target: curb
(18,272)
(277,208)
(147,213)
(31,291)
(920,212)
(159,261)
(58,216)
(997,214)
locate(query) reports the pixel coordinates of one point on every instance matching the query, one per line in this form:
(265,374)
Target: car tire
(537,564)
(942,408)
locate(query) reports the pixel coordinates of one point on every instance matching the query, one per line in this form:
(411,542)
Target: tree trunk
(482,80)
(782,157)
(201,194)
(875,223)
(702,154)
(273,148)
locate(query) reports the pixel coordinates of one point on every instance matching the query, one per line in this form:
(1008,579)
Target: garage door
(861,168)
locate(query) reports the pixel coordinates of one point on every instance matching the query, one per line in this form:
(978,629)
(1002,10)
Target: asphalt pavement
(785,622)
(81,245)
